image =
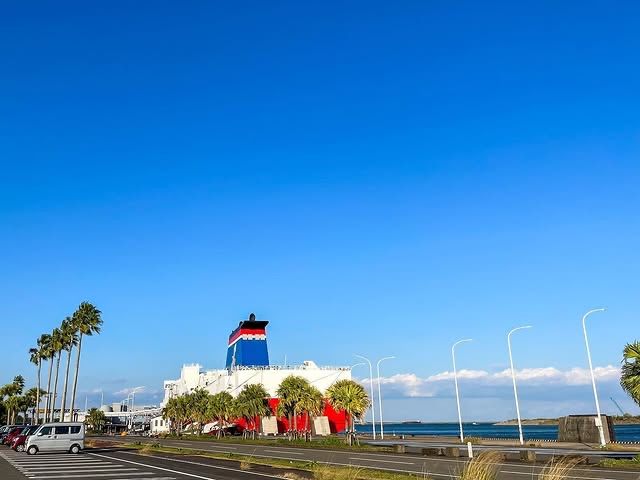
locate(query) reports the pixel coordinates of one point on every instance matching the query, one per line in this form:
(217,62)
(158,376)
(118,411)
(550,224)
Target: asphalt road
(436,467)
(112,464)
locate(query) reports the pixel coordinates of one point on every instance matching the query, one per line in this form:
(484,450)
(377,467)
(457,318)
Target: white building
(158,425)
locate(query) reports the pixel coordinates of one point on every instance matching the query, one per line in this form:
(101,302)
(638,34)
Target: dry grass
(483,467)
(292,476)
(559,468)
(326,472)
(244,465)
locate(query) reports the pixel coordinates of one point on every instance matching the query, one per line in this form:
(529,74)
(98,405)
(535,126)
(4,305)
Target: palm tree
(13,390)
(351,398)
(199,407)
(169,413)
(290,393)
(630,378)
(36,359)
(251,404)
(87,321)
(96,419)
(13,405)
(31,401)
(69,340)
(312,404)
(47,353)
(222,408)
(56,348)
(42,342)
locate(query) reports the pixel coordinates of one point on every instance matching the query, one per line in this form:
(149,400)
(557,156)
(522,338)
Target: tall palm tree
(42,342)
(630,378)
(70,340)
(34,357)
(351,398)
(87,321)
(47,353)
(56,348)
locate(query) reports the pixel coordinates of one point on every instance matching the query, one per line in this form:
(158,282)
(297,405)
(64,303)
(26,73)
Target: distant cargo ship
(248,363)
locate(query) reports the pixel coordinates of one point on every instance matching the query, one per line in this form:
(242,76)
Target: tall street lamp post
(513,377)
(373,410)
(593,378)
(380,394)
(455,379)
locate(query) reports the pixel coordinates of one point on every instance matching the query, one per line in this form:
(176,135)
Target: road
(436,467)
(111,464)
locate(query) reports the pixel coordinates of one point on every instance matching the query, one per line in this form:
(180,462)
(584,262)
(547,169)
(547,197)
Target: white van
(57,437)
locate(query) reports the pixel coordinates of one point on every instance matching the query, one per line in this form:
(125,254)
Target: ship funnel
(248,344)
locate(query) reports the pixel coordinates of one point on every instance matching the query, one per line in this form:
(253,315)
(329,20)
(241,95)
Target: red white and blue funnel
(248,344)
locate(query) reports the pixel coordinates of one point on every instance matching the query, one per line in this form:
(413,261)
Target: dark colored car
(19,441)
(10,433)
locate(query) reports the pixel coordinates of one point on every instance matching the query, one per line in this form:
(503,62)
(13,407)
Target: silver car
(57,437)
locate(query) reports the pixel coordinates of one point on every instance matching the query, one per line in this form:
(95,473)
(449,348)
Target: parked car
(13,433)
(57,437)
(9,431)
(19,441)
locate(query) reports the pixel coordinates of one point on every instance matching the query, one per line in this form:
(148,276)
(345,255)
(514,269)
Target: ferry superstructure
(247,362)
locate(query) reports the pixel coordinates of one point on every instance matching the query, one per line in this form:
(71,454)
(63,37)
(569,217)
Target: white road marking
(189,462)
(194,447)
(278,451)
(383,461)
(156,467)
(92,475)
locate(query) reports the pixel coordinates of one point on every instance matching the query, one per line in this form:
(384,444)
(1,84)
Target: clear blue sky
(371,177)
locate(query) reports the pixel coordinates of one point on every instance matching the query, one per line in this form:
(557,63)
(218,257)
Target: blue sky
(371,178)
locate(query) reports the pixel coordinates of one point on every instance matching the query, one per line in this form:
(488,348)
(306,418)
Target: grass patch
(333,442)
(629,463)
(319,471)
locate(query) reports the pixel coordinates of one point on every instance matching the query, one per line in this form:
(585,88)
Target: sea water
(624,433)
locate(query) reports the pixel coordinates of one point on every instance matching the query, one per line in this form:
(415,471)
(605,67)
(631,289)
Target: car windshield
(32,430)
(25,430)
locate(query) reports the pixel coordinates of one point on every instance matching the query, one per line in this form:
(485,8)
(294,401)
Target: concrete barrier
(528,456)
(433,451)
(399,448)
(452,452)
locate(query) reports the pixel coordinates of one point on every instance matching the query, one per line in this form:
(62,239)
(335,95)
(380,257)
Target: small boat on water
(411,422)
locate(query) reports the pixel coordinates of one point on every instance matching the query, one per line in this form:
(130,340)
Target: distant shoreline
(554,421)
(513,422)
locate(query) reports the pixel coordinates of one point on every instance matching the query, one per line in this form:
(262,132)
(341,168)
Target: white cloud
(127,391)
(411,385)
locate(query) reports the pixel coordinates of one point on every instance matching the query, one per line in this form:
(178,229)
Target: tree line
(85,321)
(298,401)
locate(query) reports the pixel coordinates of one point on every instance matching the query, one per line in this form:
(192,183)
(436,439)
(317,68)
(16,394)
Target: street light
(373,410)
(455,379)
(593,378)
(513,377)
(380,394)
